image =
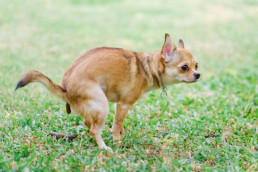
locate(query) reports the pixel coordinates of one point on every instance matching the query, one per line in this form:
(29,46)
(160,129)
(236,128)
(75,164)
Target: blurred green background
(47,35)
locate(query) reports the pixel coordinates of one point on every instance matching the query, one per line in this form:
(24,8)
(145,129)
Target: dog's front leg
(121,112)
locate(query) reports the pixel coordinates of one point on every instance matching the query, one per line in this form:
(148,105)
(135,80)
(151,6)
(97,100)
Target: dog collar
(164,92)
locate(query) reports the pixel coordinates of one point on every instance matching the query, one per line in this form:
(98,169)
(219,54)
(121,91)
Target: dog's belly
(127,94)
(113,97)
(111,93)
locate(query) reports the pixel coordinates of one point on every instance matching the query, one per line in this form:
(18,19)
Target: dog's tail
(36,76)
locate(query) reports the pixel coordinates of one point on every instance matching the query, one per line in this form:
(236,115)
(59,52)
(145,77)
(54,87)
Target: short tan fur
(105,74)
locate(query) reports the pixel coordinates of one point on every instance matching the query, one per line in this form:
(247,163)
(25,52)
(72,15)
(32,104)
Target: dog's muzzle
(197,75)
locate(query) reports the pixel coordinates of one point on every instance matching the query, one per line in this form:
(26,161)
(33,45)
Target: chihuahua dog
(105,74)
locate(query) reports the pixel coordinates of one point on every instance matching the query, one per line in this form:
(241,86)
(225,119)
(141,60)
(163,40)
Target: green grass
(160,135)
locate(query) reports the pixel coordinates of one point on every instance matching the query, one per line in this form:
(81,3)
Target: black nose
(197,75)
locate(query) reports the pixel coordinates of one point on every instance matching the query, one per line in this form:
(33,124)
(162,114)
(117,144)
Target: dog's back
(117,71)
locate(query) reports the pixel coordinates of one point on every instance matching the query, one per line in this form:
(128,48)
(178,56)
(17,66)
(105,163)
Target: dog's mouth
(189,81)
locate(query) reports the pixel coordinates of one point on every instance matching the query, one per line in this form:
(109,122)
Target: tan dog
(117,75)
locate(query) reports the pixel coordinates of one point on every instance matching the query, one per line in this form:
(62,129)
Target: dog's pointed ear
(181,44)
(168,48)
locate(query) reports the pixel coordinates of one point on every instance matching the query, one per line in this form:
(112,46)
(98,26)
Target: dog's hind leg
(95,111)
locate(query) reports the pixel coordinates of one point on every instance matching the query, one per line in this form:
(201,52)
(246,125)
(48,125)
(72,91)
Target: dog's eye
(196,66)
(184,68)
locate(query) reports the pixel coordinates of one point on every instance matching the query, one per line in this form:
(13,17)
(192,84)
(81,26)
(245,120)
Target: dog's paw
(108,149)
(117,142)
(116,138)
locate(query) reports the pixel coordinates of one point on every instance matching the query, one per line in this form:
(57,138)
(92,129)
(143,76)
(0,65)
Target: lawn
(210,125)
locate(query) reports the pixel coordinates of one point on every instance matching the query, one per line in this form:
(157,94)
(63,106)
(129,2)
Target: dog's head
(179,63)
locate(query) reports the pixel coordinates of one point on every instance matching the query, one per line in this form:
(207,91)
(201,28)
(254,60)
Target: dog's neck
(156,69)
